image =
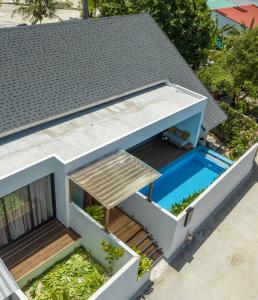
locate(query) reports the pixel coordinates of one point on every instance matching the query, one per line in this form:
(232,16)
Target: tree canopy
(235,68)
(187,23)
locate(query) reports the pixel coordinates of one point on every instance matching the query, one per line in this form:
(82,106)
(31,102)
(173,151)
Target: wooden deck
(133,234)
(29,252)
(158,153)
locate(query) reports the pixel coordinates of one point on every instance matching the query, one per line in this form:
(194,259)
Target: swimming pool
(191,173)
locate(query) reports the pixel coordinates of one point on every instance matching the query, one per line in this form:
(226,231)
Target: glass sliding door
(18,213)
(25,209)
(3,228)
(42,202)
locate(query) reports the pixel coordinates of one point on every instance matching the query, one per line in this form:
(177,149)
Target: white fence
(169,231)
(123,285)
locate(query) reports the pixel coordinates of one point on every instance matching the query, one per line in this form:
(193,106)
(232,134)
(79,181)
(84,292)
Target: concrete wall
(192,125)
(39,169)
(155,219)
(208,201)
(167,229)
(135,137)
(123,284)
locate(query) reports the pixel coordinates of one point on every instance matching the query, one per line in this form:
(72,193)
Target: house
(88,111)
(237,16)
(217,4)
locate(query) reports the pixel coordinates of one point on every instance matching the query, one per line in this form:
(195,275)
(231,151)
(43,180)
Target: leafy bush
(96,212)
(79,273)
(239,132)
(113,253)
(145,263)
(177,208)
(64,295)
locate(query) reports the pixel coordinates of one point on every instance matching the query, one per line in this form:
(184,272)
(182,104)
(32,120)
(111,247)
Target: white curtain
(25,209)
(18,213)
(41,196)
(3,229)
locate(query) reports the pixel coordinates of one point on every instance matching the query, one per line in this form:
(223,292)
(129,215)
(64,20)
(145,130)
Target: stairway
(133,234)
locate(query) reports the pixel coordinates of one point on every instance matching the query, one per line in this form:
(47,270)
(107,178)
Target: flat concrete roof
(97,127)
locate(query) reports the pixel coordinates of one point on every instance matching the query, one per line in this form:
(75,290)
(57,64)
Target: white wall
(135,137)
(169,230)
(156,220)
(208,201)
(192,125)
(31,173)
(123,284)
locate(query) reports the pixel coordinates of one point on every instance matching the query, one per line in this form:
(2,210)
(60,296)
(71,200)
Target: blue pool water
(192,172)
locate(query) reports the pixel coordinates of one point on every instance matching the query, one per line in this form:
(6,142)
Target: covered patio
(114,179)
(110,181)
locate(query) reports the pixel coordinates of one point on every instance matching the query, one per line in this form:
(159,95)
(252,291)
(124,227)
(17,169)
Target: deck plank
(29,252)
(133,234)
(158,153)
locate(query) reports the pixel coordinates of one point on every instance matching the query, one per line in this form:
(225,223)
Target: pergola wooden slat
(115,178)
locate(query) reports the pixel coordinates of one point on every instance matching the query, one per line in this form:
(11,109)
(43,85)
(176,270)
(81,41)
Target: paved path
(222,262)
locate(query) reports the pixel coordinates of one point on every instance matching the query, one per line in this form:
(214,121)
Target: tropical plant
(177,208)
(144,265)
(66,4)
(37,10)
(96,212)
(238,133)
(78,273)
(112,253)
(187,23)
(64,295)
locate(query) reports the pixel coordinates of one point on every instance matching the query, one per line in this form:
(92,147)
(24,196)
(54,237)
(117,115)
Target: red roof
(241,14)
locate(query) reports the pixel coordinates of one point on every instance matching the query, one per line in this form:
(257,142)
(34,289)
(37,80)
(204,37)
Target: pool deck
(222,261)
(158,153)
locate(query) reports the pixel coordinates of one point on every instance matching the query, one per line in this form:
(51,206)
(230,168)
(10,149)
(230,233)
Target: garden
(77,276)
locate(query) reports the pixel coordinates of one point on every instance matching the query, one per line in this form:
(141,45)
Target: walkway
(222,262)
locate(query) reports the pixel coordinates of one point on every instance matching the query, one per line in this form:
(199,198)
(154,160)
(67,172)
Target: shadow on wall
(186,254)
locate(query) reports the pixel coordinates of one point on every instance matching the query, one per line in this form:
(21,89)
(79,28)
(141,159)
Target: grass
(78,273)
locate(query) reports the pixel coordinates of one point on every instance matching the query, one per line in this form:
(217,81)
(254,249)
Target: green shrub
(78,273)
(239,132)
(112,253)
(64,295)
(96,212)
(177,208)
(145,263)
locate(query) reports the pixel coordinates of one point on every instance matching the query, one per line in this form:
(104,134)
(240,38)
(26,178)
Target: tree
(234,69)
(37,10)
(85,9)
(91,6)
(187,23)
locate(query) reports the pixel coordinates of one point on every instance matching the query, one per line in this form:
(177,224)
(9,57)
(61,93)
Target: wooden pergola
(113,179)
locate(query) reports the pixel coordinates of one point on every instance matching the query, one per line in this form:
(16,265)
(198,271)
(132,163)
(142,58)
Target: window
(25,209)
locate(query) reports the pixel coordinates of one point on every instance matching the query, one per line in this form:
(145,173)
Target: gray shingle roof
(52,69)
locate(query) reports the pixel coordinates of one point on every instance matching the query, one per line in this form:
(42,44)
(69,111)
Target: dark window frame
(53,194)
